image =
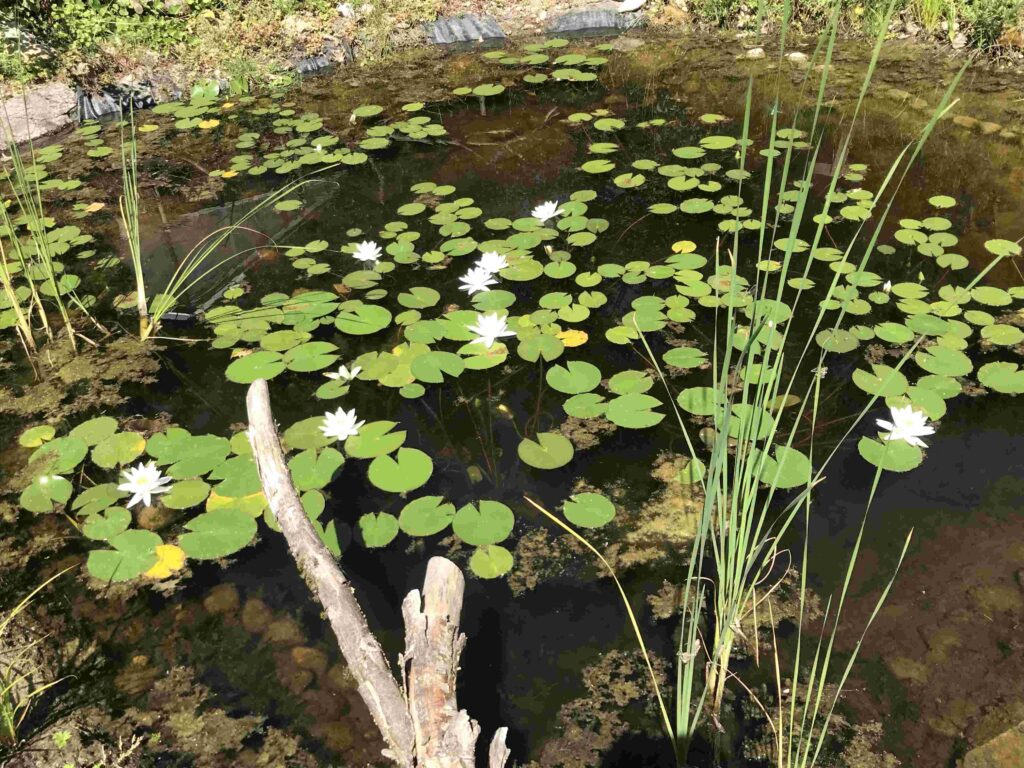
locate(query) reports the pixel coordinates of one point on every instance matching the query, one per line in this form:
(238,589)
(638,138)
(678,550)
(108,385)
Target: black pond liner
(468,28)
(599,21)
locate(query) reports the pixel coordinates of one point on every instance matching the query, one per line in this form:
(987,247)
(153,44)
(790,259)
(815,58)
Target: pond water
(550,651)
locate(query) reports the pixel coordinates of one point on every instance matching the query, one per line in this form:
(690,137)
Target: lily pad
(549,451)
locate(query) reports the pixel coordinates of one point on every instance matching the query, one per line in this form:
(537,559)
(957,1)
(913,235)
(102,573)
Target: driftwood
(419,718)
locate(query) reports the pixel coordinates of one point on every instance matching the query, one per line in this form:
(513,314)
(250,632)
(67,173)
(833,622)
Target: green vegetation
(444,353)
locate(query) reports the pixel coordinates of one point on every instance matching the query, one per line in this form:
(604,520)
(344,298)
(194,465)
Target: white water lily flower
(367,251)
(344,374)
(341,425)
(888,286)
(319,147)
(476,280)
(907,424)
(545,211)
(142,481)
(489,328)
(492,262)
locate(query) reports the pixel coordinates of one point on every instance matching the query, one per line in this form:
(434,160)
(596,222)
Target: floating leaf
(105,525)
(311,470)
(426,516)
(169,560)
(118,450)
(133,553)
(589,510)
(634,411)
(258,365)
(186,494)
(409,469)
(1002,377)
(95,430)
(549,451)
(573,378)
(491,561)
(217,534)
(378,530)
(375,439)
(33,437)
(890,455)
(488,522)
(882,381)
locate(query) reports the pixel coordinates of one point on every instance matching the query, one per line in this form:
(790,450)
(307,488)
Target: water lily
(545,211)
(489,328)
(888,286)
(142,481)
(476,280)
(341,425)
(907,424)
(318,147)
(344,374)
(492,261)
(367,251)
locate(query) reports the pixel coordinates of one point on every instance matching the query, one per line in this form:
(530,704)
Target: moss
(617,684)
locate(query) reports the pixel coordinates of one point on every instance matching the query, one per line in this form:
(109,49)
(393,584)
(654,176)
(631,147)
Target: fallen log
(419,719)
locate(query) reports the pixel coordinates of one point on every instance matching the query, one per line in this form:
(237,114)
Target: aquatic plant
(19,680)
(560,318)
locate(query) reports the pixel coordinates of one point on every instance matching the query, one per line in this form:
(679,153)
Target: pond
(607,279)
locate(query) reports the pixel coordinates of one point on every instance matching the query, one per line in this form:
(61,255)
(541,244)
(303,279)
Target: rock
(175,7)
(897,94)
(46,108)
(312,659)
(345,10)
(989,128)
(156,518)
(222,599)
(256,615)
(1004,751)
(754,53)
(597,19)
(965,122)
(467,28)
(797,57)
(911,28)
(919,104)
(959,41)
(285,631)
(1011,136)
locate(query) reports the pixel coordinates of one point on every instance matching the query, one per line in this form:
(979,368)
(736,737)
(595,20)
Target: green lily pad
(217,534)
(407,470)
(33,437)
(589,510)
(634,411)
(186,494)
(573,378)
(375,439)
(426,516)
(491,561)
(259,365)
(311,470)
(549,451)
(118,450)
(890,455)
(133,553)
(95,430)
(488,522)
(103,526)
(378,530)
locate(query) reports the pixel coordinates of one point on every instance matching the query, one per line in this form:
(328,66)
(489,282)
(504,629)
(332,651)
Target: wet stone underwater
(197,634)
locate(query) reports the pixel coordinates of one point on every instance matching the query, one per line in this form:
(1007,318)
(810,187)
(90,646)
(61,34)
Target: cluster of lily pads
(548,305)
